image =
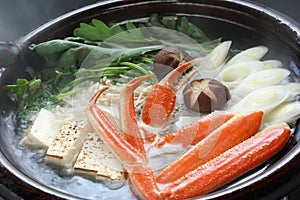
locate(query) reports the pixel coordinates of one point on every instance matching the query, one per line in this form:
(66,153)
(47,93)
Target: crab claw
(128,116)
(161,100)
(123,150)
(126,149)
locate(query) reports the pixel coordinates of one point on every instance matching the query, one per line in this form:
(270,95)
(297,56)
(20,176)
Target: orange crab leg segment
(133,161)
(161,100)
(235,130)
(196,131)
(144,184)
(129,124)
(231,164)
(142,177)
(123,150)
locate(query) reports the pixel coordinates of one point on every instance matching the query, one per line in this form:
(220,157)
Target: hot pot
(245,23)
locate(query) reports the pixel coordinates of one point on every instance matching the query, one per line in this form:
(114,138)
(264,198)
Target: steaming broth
(32,162)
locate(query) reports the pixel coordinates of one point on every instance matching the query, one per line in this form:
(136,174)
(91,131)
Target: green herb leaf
(115,29)
(130,25)
(87,32)
(184,26)
(103,30)
(53,46)
(155,20)
(34,86)
(19,87)
(99,31)
(116,49)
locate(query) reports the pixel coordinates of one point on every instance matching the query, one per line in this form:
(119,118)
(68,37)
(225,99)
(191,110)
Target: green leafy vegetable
(29,94)
(113,50)
(96,31)
(181,25)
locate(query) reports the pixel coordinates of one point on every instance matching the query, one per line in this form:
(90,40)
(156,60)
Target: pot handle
(9,54)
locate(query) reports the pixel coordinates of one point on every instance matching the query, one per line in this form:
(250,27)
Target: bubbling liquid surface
(32,163)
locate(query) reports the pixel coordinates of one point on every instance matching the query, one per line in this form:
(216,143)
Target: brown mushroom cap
(205,95)
(168,59)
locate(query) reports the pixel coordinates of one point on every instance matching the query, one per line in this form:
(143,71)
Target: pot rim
(283,19)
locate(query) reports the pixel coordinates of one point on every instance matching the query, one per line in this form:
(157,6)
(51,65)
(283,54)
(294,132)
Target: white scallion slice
(264,99)
(214,60)
(288,112)
(261,79)
(235,74)
(271,64)
(254,53)
(294,89)
(219,54)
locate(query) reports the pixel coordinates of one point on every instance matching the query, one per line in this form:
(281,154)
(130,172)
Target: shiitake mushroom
(205,95)
(168,59)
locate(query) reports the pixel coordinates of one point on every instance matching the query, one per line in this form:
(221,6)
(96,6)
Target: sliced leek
(288,112)
(271,64)
(218,55)
(216,58)
(264,99)
(235,74)
(254,53)
(261,79)
(294,89)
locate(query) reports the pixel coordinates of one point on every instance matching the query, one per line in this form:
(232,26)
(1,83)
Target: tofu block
(67,144)
(43,131)
(96,162)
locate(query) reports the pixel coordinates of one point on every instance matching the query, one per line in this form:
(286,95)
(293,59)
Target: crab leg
(231,164)
(235,130)
(222,168)
(195,132)
(143,180)
(129,124)
(160,102)
(141,176)
(123,150)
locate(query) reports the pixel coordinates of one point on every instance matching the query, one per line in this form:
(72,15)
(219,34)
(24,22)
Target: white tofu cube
(95,161)
(67,144)
(43,131)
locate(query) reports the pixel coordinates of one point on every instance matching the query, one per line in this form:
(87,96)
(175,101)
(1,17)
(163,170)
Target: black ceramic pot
(244,23)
